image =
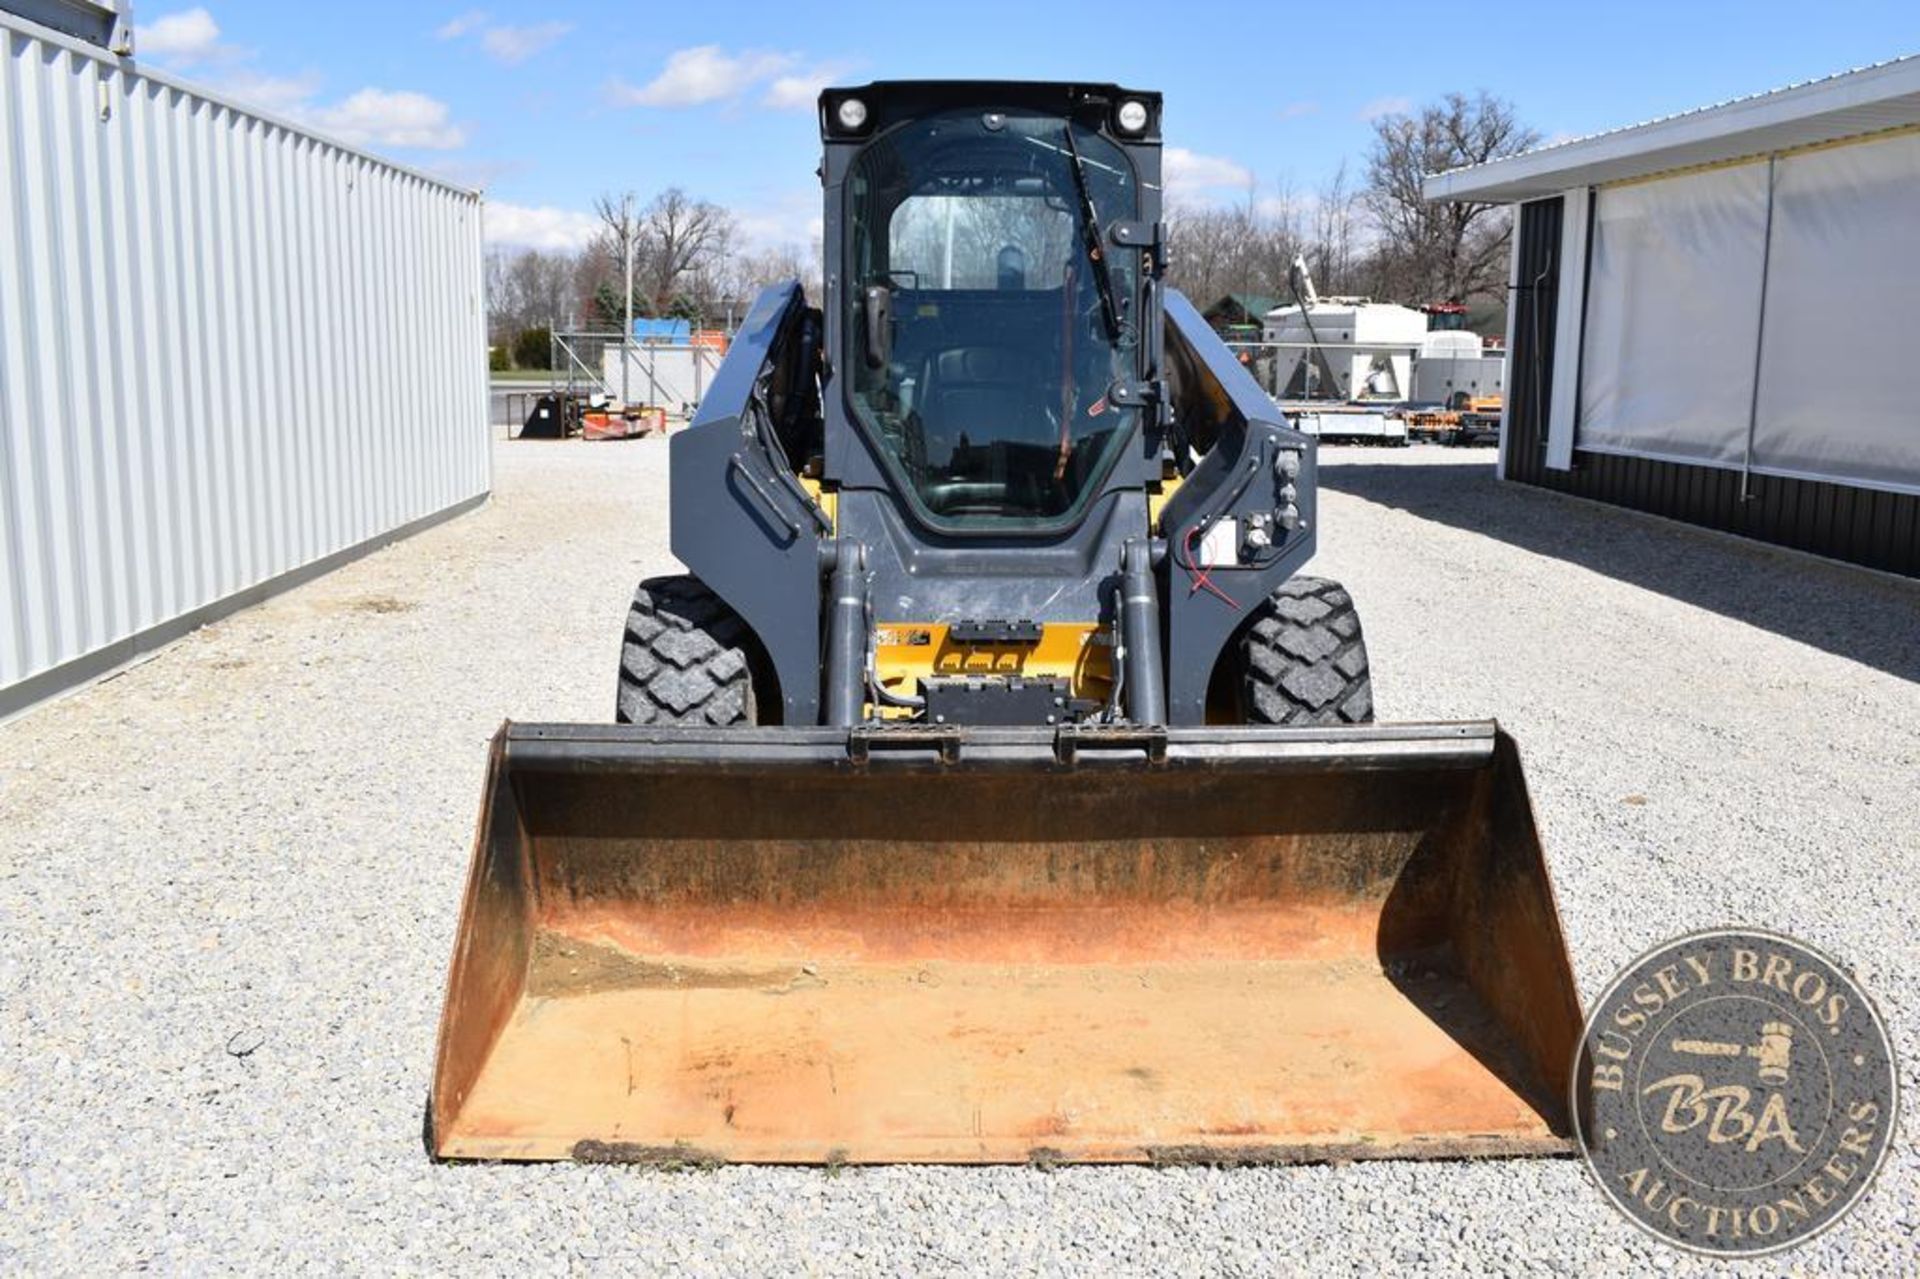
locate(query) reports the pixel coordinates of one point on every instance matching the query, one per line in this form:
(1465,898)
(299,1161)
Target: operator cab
(987,323)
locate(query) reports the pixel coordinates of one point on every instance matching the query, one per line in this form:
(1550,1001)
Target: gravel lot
(229,881)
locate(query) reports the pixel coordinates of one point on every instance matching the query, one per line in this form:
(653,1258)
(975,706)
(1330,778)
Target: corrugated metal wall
(1533,303)
(229,351)
(1864,526)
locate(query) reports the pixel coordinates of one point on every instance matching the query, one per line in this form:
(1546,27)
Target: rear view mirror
(879,317)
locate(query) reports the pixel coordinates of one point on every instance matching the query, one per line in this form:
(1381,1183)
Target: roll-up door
(1672,309)
(1837,399)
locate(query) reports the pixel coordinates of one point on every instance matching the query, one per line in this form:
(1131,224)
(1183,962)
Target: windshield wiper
(1090,237)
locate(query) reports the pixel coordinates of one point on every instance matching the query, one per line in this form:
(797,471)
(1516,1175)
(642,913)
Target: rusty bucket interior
(1231,945)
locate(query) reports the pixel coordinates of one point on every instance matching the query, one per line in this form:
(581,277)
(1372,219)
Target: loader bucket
(1005,945)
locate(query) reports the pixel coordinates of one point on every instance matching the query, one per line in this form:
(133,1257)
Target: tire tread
(683,659)
(1304,659)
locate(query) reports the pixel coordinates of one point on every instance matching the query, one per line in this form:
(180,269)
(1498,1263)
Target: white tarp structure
(1802,272)
(1837,384)
(1673,292)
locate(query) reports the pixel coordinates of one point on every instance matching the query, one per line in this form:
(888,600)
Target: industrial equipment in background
(1468,420)
(595,416)
(554,416)
(1353,370)
(608,420)
(993,787)
(608,387)
(1454,363)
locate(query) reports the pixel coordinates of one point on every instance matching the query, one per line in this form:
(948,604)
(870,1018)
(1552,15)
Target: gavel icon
(1773,1051)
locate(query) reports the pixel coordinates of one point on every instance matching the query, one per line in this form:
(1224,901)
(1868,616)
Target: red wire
(1201,580)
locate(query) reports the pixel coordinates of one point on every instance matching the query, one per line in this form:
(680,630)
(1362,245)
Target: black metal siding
(1534,305)
(1862,526)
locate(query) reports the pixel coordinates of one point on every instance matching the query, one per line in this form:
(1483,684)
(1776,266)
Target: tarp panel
(1672,304)
(1836,386)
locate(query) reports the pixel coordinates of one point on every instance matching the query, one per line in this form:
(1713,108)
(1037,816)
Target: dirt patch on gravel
(377,604)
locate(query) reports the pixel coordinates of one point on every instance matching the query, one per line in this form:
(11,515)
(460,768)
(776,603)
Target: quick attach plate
(997,701)
(994,631)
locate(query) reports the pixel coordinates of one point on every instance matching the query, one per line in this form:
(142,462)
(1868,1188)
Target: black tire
(685,658)
(1304,661)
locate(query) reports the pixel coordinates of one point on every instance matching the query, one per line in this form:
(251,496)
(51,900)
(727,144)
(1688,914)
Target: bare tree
(502,319)
(682,248)
(1222,249)
(1275,237)
(682,240)
(1435,252)
(601,280)
(526,288)
(1207,247)
(745,274)
(596,283)
(1331,249)
(686,264)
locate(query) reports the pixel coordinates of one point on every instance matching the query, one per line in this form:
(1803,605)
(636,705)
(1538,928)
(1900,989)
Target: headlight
(852,113)
(1133,115)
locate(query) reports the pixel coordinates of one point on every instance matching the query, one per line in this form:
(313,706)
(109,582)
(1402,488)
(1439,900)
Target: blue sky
(545,105)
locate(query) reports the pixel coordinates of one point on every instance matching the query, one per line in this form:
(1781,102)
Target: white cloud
(187,36)
(1380,107)
(800,90)
(389,117)
(503,41)
(516,44)
(1286,206)
(282,95)
(704,73)
(794,92)
(1187,172)
(371,117)
(469,171)
(454,28)
(790,219)
(544,227)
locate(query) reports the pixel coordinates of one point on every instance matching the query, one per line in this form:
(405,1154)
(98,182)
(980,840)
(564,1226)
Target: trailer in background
(1347,424)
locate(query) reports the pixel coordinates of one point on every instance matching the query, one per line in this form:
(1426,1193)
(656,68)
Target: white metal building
(1714,314)
(232,353)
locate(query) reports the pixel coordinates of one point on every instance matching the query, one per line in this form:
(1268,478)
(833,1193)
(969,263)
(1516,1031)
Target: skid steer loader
(993,789)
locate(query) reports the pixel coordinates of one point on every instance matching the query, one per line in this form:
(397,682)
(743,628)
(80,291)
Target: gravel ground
(229,881)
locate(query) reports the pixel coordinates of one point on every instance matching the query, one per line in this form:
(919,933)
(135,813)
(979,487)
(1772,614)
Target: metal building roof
(1883,96)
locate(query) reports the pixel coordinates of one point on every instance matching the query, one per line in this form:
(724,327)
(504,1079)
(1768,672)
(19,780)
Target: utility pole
(626,330)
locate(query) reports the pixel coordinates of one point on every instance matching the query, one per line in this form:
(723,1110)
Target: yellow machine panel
(907,652)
